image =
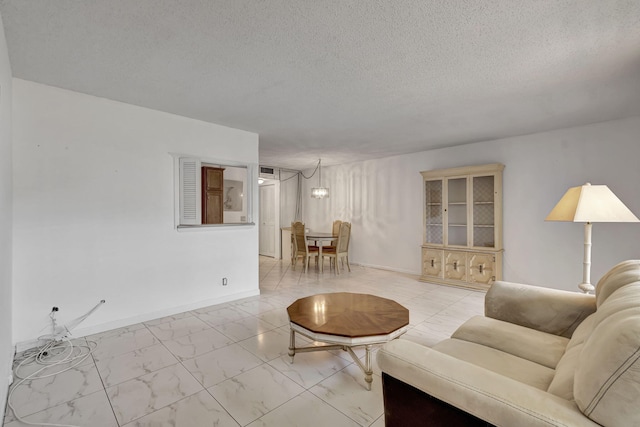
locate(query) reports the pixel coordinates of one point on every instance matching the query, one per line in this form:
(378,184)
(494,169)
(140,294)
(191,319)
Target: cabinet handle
(432,263)
(455,265)
(481,268)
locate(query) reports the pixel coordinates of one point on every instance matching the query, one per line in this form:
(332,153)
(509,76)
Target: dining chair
(335,229)
(340,252)
(300,246)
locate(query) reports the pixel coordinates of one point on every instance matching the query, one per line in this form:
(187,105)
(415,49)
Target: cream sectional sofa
(539,357)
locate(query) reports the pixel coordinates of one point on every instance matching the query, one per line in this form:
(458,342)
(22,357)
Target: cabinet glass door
(433,211)
(483,212)
(457,211)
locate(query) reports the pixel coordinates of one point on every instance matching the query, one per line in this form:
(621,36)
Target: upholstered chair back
(600,369)
(622,274)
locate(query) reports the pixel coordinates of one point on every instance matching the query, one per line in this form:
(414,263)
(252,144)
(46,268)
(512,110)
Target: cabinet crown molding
(462,171)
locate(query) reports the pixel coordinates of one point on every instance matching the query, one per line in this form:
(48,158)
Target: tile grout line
(181,362)
(104,389)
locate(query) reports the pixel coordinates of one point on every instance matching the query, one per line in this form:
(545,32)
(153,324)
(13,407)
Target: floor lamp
(590,203)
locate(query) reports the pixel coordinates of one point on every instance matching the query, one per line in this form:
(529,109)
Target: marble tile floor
(227,365)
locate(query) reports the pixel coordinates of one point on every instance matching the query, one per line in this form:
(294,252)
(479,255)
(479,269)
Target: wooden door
(212,193)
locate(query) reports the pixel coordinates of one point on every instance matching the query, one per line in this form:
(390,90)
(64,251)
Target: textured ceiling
(338,79)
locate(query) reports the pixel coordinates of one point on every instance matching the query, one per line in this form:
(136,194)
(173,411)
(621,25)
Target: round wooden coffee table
(345,320)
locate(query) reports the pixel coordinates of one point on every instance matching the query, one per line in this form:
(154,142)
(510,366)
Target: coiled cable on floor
(74,354)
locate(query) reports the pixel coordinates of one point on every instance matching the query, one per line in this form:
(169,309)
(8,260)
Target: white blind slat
(190,204)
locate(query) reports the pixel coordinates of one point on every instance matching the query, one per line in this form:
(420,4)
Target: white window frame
(184,217)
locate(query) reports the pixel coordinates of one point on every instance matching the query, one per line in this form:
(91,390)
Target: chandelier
(319,192)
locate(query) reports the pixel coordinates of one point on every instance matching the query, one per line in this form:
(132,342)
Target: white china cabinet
(462,241)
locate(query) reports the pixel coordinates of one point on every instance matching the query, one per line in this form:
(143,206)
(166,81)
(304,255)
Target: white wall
(288,197)
(6,204)
(93,213)
(383,200)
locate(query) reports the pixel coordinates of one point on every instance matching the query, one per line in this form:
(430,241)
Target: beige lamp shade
(591,203)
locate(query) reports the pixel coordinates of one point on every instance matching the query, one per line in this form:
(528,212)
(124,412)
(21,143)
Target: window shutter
(190,192)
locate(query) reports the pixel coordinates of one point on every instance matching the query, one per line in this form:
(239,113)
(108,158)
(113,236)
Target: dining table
(321,237)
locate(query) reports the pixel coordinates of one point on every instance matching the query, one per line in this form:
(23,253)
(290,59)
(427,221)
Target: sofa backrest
(600,369)
(622,274)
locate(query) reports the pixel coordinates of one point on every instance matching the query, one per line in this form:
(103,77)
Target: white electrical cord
(60,332)
(39,357)
(54,343)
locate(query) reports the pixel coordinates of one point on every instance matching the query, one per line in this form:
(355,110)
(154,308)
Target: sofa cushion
(506,364)
(535,346)
(624,298)
(620,275)
(607,375)
(562,383)
(582,332)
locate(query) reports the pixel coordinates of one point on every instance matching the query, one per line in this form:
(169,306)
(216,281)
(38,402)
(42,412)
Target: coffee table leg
(366,367)
(292,344)
(368,377)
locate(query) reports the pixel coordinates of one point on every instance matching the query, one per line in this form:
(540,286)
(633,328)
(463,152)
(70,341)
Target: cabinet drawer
(455,265)
(432,263)
(482,268)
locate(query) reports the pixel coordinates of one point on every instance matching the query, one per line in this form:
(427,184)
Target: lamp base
(586,287)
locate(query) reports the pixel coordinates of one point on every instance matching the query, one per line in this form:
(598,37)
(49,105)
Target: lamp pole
(586,285)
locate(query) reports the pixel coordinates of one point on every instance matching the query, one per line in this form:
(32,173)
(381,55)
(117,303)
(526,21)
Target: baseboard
(82,332)
(387,268)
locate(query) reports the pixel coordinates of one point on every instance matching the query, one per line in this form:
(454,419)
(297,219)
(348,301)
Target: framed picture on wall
(232,198)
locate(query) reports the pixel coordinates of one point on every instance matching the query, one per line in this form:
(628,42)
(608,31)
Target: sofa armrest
(485,394)
(548,310)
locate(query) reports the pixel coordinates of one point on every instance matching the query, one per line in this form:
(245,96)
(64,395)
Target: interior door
(267,220)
